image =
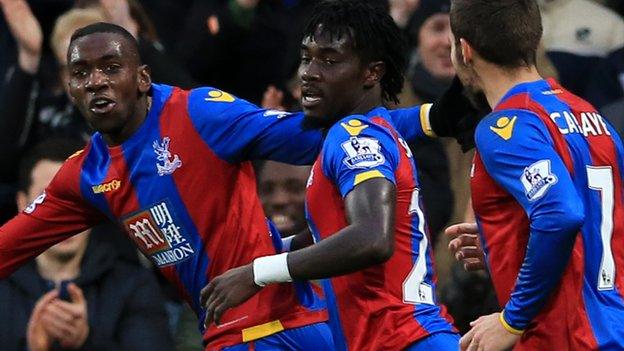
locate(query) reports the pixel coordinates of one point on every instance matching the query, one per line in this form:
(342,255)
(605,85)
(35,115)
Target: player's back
(392,305)
(585,310)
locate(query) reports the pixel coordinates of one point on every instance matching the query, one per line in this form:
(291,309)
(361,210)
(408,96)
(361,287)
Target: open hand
(118,12)
(465,245)
(26,30)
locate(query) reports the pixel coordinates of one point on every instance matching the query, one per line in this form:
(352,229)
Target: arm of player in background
(238,130)
(529,168)
(52,217)
(370,198)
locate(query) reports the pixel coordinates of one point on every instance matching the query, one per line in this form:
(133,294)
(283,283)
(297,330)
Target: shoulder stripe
(366,176)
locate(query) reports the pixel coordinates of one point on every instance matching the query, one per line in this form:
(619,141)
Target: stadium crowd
(251,49)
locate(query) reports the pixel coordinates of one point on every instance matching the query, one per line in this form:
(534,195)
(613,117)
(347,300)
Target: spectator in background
(243,46)
(108,304)
(429,75)
(577,35)
(282,192)
(430,71)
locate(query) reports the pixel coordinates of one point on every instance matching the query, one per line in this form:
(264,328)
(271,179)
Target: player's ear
(144,79)
(374,73)
(466,50)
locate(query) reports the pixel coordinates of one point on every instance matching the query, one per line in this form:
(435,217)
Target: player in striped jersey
(363,203)
(546,190)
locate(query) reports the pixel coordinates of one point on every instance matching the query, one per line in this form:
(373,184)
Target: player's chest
(324,205)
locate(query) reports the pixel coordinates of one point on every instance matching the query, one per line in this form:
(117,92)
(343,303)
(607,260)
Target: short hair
(503,32)
(374,34)
(103,27)
(52,149)
(68,22)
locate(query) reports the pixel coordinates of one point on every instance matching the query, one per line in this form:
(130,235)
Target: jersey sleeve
(238,130)
(55,215)
(412,122)
(519,155)
(355,151)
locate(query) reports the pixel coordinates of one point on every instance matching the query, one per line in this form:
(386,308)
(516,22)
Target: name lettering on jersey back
(587,123)
(107,187)
(158,235)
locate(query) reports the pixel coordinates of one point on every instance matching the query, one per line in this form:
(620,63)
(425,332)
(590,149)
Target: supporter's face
(106,83)
(282,192)
(434,46)
(332,78)
(41,176)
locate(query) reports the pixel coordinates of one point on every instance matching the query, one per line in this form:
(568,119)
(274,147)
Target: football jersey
(183,189)
(392,305)
(548,197)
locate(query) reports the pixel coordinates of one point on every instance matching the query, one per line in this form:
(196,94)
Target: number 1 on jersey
(601,179)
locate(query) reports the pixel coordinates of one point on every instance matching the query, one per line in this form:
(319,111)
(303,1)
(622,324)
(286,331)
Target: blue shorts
(442,341)
(313,337)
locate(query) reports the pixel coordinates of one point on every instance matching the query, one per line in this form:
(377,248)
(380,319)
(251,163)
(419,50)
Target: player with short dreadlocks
(362,201)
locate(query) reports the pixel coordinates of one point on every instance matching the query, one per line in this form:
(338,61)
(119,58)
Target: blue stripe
(604,308)
(94,173)
(340,341)
(152,189)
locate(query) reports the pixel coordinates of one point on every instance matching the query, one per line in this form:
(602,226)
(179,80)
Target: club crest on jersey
(362,153)
(164,155)
(537,179)
(33,205)
(504,127)
(158,234)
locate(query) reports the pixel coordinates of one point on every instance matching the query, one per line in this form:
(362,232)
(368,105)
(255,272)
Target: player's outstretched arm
(367,240)
(452,115)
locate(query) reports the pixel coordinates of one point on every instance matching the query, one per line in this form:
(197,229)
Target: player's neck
(134,123)
(368,101)
(497,82)
(52,268)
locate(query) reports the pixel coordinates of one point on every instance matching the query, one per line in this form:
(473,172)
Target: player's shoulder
(358,141)
(355,126)
(507,126)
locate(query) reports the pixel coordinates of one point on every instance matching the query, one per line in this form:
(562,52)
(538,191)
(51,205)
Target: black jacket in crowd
(124,304)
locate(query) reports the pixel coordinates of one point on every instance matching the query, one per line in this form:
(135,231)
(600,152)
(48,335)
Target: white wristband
(287,242)
(271,269)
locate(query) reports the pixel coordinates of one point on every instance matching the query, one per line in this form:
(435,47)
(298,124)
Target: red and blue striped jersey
(183,189)
(548,197)
(392,305)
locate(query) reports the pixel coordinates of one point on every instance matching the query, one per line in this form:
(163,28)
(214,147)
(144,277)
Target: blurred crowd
(249,48)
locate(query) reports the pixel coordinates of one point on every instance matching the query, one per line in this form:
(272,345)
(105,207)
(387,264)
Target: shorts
(313,337)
